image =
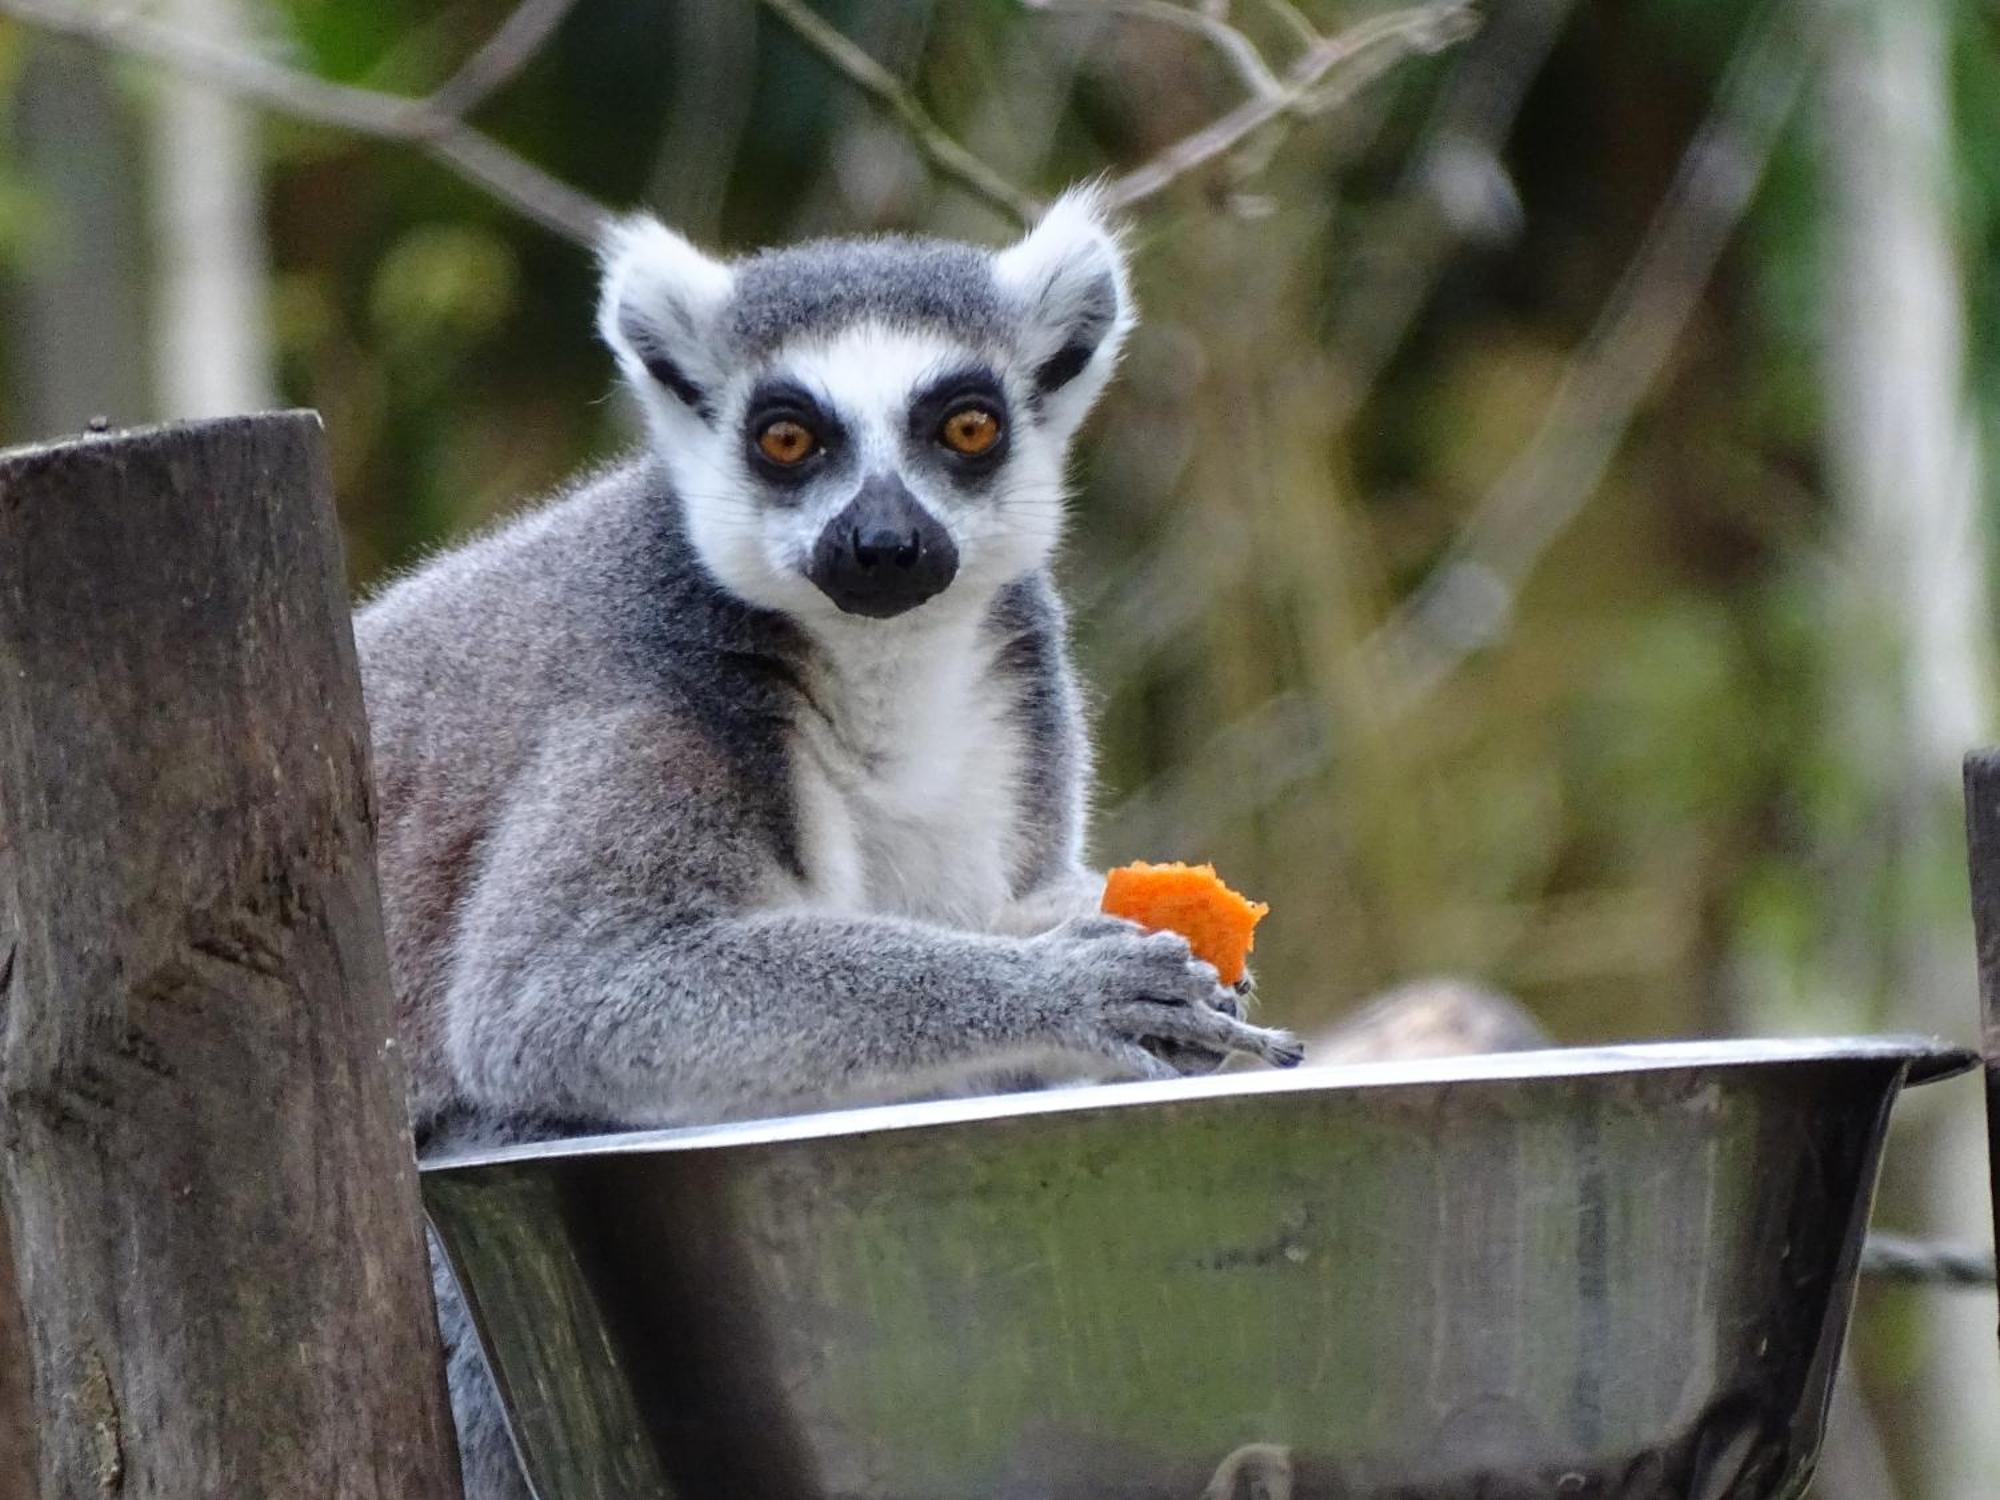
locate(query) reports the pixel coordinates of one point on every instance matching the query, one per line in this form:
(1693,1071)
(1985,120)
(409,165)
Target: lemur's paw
(1148,988)
(1287,1051)
(1242,996)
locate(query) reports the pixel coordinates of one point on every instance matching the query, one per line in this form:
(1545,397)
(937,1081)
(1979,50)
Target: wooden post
(17,1428)
(203,1151)
(1982,837)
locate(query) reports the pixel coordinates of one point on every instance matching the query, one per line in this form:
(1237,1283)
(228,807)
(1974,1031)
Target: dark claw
(1288,1056)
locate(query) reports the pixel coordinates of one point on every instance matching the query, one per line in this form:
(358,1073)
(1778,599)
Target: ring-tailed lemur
(751,775)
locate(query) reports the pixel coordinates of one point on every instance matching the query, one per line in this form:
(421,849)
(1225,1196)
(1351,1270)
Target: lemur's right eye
(970,431)
(785,442)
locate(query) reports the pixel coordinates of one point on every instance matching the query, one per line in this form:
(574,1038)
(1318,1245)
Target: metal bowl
(1620,1272)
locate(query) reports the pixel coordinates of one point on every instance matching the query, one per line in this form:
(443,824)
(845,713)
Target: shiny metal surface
(1608,1273)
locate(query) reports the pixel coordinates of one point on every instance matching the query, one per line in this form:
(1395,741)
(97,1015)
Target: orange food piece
(1219,924)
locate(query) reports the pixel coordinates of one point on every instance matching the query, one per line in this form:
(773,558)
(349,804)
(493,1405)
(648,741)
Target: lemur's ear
(1067,280)
(658,311)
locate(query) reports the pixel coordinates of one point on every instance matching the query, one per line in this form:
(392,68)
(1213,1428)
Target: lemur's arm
(1059,886)
(613,969)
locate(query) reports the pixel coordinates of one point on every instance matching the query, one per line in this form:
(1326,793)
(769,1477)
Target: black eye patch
(788,401)
(973,386)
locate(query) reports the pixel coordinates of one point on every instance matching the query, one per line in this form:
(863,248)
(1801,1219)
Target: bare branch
(1382,39)
(497,63)
(1464,603)
(1235,48)
(520,184)
(878,83)
(299,94)
(1306,87)
(1454,190)
(1294,21)
(436,123)
(514,180)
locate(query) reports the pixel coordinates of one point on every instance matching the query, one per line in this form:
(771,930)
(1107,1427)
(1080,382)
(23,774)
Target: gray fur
(581,746)
(801,290)
(1028,620)
(599,878)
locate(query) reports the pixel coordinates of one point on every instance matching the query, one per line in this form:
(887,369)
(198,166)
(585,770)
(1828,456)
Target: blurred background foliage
(1681,763)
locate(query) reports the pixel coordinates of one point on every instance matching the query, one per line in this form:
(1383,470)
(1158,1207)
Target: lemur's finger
(1098,927)
(1165,1019)
(1281,1049)
(1208,987)
(1267,1044)
(1207,1027)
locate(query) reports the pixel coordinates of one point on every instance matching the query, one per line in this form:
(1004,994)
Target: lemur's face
(862,427)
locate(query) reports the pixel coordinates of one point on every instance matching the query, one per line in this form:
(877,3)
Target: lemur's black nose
(903,549)
(884,553)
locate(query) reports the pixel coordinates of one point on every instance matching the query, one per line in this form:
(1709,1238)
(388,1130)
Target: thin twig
(1396,34)
(1362,70)
(878,83)
(524,187)
(1233,46)
(1294,21)
(1465,602)
(1430,219)
(1304,88)
(517,42)
(520,184)
(1398,266)
(436,123)
(1914,1262)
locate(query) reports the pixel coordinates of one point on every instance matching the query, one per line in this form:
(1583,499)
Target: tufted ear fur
(1068,283)
(659,308)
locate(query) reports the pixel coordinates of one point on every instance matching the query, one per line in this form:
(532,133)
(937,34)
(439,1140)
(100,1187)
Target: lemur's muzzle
(884,553)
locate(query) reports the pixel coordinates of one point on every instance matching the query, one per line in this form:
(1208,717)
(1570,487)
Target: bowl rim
(1924,1059)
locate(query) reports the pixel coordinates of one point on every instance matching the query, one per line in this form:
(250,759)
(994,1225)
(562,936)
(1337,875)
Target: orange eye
(786,442)
(971,432)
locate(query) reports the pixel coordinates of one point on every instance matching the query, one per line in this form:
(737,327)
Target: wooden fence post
(17,1428)
(203,1153)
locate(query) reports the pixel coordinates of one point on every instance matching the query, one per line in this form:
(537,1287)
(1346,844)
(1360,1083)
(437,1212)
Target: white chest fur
(907,779)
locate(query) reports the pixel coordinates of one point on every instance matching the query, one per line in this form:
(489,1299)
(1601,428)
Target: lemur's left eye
(786,442)
(971,430)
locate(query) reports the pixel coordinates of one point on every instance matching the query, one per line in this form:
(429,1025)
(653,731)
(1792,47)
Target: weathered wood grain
(202,1144)
(17,1428)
